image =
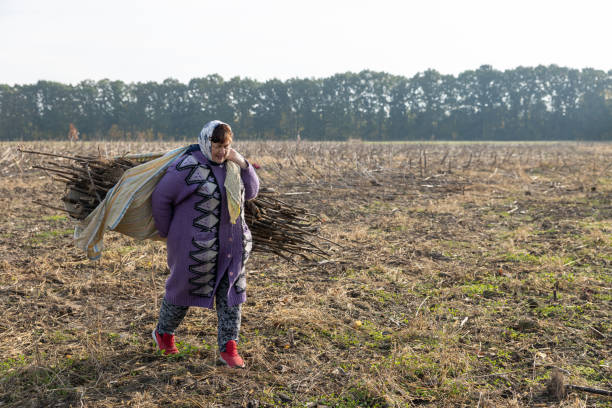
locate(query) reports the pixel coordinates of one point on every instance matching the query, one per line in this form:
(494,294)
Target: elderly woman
(199,206)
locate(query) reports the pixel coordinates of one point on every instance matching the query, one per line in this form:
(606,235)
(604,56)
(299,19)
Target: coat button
(229,255)
(230,239)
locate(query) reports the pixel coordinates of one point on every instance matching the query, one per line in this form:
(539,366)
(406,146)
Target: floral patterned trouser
(228,326)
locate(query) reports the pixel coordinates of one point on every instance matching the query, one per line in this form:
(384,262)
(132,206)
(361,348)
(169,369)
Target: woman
(199,206)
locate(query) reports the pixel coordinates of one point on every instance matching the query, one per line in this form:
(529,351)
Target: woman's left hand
(237,158)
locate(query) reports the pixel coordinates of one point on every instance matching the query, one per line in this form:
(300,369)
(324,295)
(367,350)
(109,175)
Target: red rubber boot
(230,356)
(165,342)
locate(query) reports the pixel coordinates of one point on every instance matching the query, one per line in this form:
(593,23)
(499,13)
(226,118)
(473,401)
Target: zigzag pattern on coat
(207,245)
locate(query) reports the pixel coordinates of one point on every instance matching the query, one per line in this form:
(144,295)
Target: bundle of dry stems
(277,227)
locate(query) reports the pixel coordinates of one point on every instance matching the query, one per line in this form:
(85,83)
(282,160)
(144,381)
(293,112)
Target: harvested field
(468,273)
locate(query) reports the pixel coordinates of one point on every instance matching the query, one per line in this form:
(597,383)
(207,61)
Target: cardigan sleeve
(250,181)
(163,200)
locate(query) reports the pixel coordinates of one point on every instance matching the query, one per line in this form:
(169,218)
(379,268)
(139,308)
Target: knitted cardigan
(190,209)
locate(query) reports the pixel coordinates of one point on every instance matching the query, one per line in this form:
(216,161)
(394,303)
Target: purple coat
(190,209)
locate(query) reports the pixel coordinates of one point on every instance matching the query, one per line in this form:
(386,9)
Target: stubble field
(466,273)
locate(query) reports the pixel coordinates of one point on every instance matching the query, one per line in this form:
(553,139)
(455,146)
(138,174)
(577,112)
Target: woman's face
(220,151)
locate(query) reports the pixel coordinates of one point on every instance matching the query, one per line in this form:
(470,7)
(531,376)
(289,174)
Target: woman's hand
(237,158)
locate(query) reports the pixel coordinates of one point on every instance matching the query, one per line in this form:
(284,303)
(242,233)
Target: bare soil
(466,274)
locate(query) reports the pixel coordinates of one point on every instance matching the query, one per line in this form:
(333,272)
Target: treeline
(526,103)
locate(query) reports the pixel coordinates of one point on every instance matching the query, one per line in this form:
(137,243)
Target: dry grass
(460,288)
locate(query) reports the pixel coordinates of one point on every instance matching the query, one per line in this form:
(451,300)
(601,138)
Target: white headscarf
(232,177)
(205,138)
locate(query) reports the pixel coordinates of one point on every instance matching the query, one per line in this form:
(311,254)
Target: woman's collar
(206,159)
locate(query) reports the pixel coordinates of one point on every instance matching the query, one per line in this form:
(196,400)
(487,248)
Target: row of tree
(526,103)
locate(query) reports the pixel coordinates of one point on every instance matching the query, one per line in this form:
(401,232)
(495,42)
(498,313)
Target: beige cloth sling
(126,207)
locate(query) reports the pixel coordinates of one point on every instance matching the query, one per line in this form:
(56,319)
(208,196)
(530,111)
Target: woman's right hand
(237,158)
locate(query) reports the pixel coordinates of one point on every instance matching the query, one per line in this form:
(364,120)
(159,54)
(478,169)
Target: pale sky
(136,41)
